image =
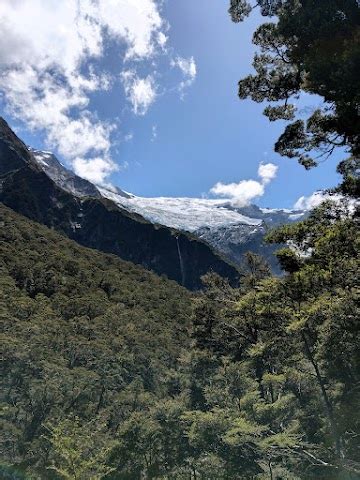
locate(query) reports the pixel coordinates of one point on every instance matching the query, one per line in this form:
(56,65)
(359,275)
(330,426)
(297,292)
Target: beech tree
(309,46)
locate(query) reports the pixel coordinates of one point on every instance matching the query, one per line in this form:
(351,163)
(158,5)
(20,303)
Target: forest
(112,372)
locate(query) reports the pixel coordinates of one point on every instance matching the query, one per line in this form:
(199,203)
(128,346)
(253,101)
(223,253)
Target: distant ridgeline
(231,230)
(99,223)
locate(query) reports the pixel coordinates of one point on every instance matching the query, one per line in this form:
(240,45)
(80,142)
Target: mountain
(229,230)
(39,187)
(65,178)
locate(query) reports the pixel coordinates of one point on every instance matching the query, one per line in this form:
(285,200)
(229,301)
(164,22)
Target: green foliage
(112,372)
(79,451)
(84,335)
(289,260)
(312,47)
(294,344)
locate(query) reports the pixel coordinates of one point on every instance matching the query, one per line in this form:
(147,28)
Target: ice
(188,214)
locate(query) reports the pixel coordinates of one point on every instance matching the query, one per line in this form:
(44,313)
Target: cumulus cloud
(189,70)
(95,170)
(314,200)
(48,54)
(141,92)
(244,192)
(240,193)
(267,172)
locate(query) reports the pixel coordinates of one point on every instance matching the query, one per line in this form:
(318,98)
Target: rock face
(233,241)
(63,177)
(229,230)
(52,195)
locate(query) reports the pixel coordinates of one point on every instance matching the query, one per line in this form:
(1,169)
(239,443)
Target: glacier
(188,214)
(230,230)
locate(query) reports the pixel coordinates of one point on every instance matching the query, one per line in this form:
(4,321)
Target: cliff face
(99,223)
(230,230)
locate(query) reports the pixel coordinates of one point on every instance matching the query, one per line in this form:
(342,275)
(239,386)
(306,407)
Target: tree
(79,452)
(311,46)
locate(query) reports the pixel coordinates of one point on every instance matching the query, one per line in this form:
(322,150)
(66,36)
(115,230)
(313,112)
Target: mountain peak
(36,185)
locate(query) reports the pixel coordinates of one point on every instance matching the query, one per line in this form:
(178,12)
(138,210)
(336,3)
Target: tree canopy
(110,372)
(313,47)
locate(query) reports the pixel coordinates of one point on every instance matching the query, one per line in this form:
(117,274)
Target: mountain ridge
(99,223)
(230,230)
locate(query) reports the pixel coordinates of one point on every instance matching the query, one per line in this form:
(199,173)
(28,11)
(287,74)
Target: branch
(318,460)
(235,330)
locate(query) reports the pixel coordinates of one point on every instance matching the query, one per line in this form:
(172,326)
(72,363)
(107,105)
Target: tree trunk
(325,397)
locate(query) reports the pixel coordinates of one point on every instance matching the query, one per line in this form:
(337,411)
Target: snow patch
(188,214)
(296,216)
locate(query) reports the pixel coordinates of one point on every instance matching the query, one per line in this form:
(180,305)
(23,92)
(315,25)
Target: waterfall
(181,262)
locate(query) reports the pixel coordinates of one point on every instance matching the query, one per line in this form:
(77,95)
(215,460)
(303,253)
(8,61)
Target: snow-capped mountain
(64,177)
(188,214)
(194,214)
(42,190)
(230,230)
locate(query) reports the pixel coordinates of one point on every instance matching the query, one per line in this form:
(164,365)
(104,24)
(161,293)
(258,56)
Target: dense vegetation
(112,372)
(86,337)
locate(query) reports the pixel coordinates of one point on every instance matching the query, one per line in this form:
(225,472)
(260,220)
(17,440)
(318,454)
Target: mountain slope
(98,222)
(84,334)
(232,231)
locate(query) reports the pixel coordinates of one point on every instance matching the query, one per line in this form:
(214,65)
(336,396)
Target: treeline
(110,372)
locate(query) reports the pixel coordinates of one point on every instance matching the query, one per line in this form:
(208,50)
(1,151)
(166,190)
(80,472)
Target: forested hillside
(84,335)
(111,372)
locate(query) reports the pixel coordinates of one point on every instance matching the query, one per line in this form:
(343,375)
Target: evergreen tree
(310,46)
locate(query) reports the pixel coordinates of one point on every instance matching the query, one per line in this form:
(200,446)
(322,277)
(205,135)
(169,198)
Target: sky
(142,94)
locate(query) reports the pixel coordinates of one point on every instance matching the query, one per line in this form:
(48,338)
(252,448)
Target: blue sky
(186,133)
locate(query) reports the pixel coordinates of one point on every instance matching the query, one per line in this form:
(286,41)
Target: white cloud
(243,193)
(137,22)
(345,205)
(43,101)
(189,70)
(162,39)
(141,92)
(62,33)
(186,65)
(267,172)
(240,193)
(47,71)
(95,170)
(314,200)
